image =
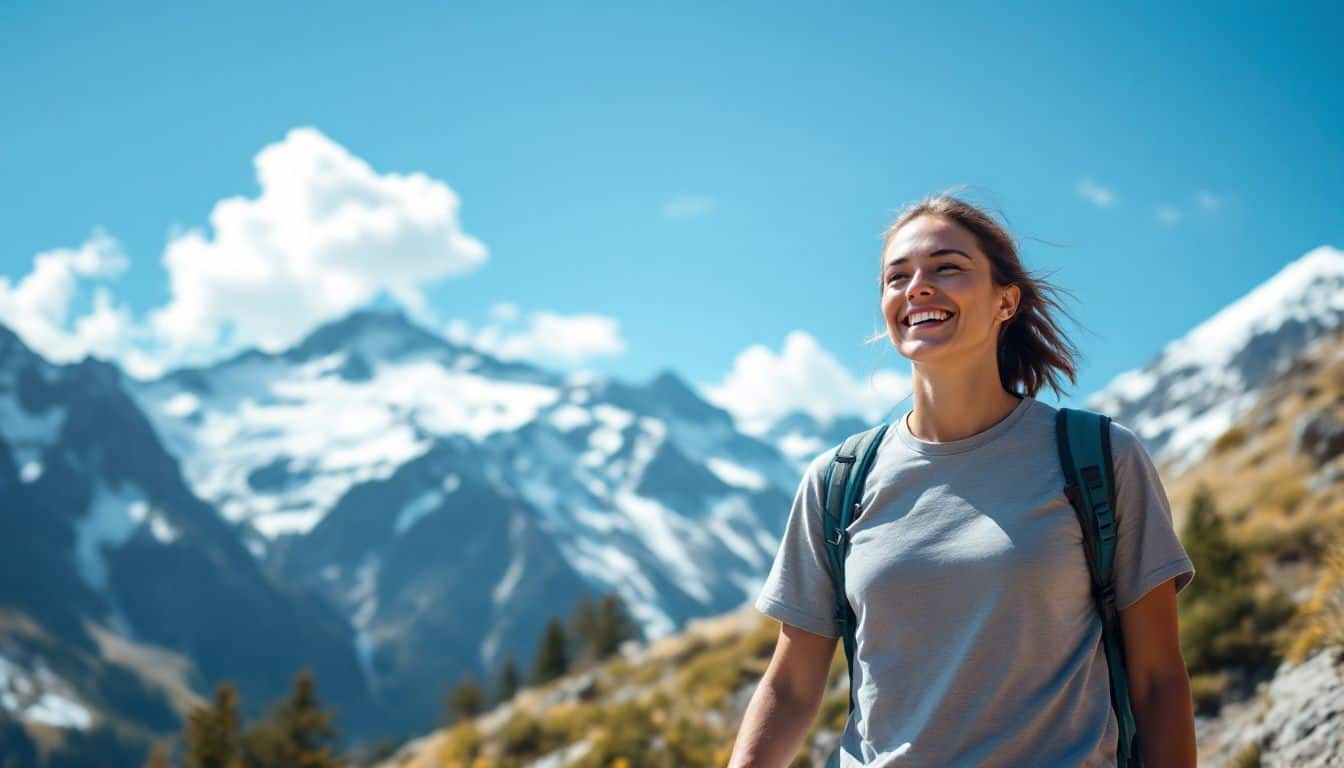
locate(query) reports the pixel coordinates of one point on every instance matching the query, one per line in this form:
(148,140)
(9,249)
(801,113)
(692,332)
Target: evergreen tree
(1219,562)
(214,732)
(552,658)
(466,700)
(614,626)
(158,758)
(297,734)
(508,682)
(1225,623)
(599,629)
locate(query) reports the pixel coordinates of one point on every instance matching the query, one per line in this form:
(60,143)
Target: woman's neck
(957,406)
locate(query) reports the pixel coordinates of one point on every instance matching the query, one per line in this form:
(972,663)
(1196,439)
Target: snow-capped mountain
(1204,381)
(451,503)
(100,536)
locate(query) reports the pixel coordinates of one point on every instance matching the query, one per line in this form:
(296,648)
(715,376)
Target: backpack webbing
(1084,442)
(842,492)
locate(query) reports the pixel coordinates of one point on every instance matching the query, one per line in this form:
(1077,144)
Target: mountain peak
(387,328)
(1202,382)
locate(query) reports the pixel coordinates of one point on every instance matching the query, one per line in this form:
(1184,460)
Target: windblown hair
(1033,350)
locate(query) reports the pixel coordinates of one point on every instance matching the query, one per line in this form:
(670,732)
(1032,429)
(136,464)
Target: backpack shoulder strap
(1084,442)
(841,497)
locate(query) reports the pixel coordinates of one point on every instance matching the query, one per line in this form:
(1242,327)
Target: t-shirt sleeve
(1147,549)
(799,590)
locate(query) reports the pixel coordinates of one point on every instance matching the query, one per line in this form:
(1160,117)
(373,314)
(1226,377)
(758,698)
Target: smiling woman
(963,590)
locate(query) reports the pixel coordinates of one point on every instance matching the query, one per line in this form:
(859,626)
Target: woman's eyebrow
(939,252)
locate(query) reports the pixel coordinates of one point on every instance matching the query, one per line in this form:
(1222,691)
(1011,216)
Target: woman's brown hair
(1033,351)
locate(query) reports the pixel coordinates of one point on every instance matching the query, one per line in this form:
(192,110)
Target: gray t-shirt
(978,641)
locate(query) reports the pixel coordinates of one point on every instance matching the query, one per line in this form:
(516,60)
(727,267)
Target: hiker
(966,579)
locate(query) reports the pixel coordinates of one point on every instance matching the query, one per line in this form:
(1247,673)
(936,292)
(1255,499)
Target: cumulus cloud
(1167,215)
(1208,201)
(39,306)
(687,207)
(325,234)
(1100,196)
(764,385)
(541,336)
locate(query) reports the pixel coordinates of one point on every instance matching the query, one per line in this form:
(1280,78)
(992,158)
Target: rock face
(1319,436)
(1296,719)
(1304,725)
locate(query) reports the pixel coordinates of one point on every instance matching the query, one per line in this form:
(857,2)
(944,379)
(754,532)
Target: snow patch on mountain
(277,444)
(113,515)
(603,563)
(40,696)
(27,433)
(736,474)
(514,573)
(425,503)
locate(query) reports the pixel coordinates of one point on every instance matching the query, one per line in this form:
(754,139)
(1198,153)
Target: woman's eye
(893,278)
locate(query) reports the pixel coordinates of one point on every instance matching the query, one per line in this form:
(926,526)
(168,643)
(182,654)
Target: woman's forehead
(928,234)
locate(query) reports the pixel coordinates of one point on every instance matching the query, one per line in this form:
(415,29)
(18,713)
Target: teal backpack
(1084,441)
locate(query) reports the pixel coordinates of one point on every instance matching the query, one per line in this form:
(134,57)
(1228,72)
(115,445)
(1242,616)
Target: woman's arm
(785,703)
(1159,685)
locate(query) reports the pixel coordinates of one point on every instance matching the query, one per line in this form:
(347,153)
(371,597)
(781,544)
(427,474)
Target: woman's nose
(919,284)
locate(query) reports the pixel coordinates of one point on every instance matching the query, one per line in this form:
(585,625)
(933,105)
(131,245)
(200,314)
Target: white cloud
(1207,201)
(764,386)
(504,311)
(542,336)
(687,207)
(325,235)
(39,305)
(1168,215)
(1102,197)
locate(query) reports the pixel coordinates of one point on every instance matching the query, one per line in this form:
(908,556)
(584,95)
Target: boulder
(1319,436)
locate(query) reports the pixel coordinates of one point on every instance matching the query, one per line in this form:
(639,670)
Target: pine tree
(466,700)
(298,732)
(158,758)
(552,658)
(1219,562)
(1225,624)
(583,628)
(508,682)
(214,732)
(614,626)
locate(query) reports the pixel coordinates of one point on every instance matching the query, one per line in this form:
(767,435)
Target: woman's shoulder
(1125,442)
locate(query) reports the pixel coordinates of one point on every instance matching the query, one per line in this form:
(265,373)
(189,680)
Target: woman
(978,643)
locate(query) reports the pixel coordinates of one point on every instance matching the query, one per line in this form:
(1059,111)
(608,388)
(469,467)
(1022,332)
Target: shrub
(1207,691)
(1248,757)
(461,746)
(1320,621)
(1229,617)
(521,736)
(711,678)
(1230,439)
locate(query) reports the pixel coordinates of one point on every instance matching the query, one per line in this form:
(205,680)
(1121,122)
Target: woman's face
(933,263)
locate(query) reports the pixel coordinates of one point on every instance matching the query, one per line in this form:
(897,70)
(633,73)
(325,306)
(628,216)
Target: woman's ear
(1008,302)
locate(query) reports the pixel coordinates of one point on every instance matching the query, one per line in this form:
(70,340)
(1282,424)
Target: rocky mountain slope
(1209,378)
(106,556)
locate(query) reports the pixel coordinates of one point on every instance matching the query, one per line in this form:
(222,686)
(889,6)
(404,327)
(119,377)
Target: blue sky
(674,186)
